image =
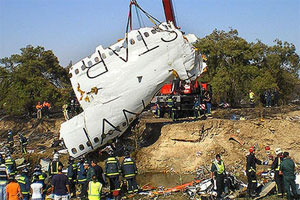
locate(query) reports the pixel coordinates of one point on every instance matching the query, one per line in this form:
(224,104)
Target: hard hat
(251,149)
(55,156)
(278,151)
(37,167)
(25,170)
(71,158)
(86,163)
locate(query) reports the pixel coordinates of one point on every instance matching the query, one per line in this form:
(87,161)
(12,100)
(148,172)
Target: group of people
(42,109)
(268,98)
(283,166)
(201,106)
(86,174)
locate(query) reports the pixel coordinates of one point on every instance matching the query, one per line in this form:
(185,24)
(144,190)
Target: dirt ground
(183,147)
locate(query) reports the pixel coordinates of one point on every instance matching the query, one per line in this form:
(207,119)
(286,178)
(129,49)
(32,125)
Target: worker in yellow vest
(95,188)
(218,170)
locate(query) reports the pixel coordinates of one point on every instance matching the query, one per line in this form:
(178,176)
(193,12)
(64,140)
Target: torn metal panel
(154,53)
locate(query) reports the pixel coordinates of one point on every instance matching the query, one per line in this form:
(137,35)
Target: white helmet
(278,151)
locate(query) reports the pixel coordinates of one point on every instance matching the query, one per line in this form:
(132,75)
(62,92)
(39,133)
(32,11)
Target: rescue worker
(170,105)
(81,178)
(72,176)
(99,172)
(251,171)
(23,143)
(94,189)
(251,99)
(39,110)
(10,165)
(24,183)
(287,168)
(112,172)
(65,111)
(196,108)
(218,171)
(129,172)
(157,109)
(174,109)
(207,101)
(45,108)
(278,177)
(3,180)
(89,171)
(10,140)
(53,167)
(40,177)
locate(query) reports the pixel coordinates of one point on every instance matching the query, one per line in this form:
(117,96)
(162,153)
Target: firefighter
(157,109)
(3,180)
(10,140)
(65,111)
(23,143)
(252,100)
(72,176)
(53,167)
(24,183)
(278,177)
(81,178)
(112,172)
(170,105)
(207,101)
(40,177)
(39,110)
(287,169)
(251,171)
(129,172)
(218,171)
(196,108)
(94,189)
(174,109)
(10,165)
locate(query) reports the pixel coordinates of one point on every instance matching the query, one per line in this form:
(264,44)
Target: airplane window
(96,59)
(81,147)
(124,44)
(103,56)
(90,63)
(76,71)
(139,37)
(110,132)
(96,140)
(110,53)
(132,42)
(74,151)
(153,31)
(146,34)
(118,127)
(70,75)
(83,67)
(124,124)
(88,144)
(117,48)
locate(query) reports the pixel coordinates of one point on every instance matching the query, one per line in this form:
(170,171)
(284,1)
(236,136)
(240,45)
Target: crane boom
(169,11)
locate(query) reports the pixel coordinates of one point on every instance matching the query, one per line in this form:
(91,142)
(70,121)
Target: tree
(235,66)
(34,75)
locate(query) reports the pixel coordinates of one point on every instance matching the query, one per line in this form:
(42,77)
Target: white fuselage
(112,90)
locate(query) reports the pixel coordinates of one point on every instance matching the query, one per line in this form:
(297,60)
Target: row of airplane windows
(96,139)
(117,49)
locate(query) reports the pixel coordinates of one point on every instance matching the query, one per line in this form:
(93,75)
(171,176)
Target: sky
(72,29)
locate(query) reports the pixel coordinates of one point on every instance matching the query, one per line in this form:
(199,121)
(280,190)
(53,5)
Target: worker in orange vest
(46,107)
(39,110)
